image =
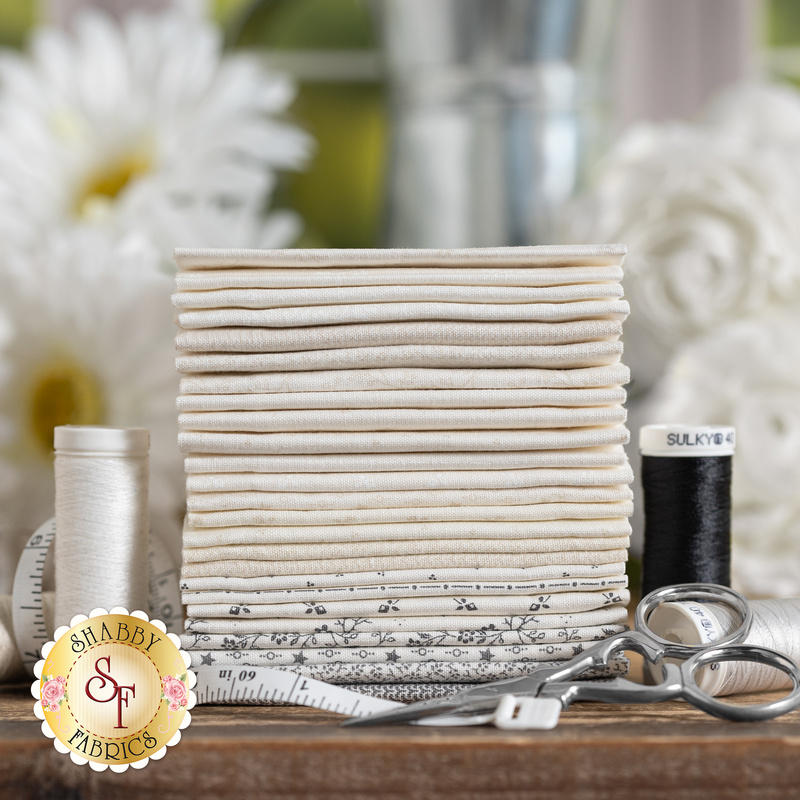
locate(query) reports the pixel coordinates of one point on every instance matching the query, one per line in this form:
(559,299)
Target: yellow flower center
(63,392)
(107,183)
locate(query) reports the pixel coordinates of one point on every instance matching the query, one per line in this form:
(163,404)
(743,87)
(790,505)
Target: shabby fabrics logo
(114,689)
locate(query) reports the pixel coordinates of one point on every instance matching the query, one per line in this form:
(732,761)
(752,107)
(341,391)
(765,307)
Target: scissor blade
(411,713)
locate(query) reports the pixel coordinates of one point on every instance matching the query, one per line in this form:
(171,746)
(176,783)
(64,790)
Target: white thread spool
(776,625)
(101,518)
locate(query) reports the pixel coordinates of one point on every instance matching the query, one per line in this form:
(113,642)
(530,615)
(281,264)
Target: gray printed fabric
(397,378)
(369,516)
(416,606)
(547,572)
(284,657)
(414,692)
(328,337)
(331,551)
(401,258)
(272,278)
(411,398)
(379,591)
(586,458)
(427,671)
(561,528)
(495,636)
(509,625)
(567,356)
(404,293)
(400,441)
(402,312)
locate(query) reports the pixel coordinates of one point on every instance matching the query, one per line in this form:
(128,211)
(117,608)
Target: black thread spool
(686,476)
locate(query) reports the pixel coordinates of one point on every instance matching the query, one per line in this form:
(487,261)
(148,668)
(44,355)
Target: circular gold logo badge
(114,689)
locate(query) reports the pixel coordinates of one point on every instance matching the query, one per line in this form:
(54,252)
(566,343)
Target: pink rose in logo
(52,692)
(175,692)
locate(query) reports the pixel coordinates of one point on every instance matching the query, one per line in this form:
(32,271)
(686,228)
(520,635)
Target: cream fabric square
(452,275)
(406,378)
(399,312)
(400,441)
(406,481)
(329,337)
(589,457)
(403,531)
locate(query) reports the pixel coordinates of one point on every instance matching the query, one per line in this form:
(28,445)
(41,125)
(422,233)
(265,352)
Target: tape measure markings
(30,631)
(216,685)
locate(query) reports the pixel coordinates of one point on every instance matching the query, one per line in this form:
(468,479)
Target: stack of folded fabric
(405,467)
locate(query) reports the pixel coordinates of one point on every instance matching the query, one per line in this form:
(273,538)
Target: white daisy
(92,344)
(143,126)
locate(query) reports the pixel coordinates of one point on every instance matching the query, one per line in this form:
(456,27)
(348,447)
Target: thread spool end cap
(86,439)
(687,440)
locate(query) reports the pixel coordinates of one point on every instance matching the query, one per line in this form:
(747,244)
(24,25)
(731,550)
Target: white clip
(526,713)
(511,713)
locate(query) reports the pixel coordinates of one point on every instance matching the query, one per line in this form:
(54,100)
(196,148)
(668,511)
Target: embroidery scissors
(558,683)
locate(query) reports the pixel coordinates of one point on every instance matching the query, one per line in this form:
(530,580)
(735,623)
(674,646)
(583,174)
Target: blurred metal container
(497,108)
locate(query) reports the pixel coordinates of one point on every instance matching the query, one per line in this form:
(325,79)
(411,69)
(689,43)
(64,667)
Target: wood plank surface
(598,751)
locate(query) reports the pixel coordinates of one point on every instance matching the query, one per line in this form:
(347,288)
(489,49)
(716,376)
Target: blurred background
(518,96)
(672,126)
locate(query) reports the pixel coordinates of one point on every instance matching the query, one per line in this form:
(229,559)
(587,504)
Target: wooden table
(598,751)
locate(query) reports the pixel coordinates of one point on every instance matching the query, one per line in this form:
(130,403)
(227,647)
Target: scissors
(678,680)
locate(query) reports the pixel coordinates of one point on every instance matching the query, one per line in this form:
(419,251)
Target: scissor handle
(759,655)
(694,591)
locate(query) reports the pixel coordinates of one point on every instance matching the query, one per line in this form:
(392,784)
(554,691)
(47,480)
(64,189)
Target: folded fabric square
(516,574)
(583,255)
(587,354)
(589,457)
(427,589)
(406,378)
(406,531)
(452,275)
(400,441)
(397,312)
(233,482)
(512,628)
(331,337)
(292,298)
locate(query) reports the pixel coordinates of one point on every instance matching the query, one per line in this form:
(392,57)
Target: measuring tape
(262,684)
(30,631)
(30,626)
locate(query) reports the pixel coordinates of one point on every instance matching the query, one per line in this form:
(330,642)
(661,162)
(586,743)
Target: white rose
(747,374)
(711,230)
(758,114)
